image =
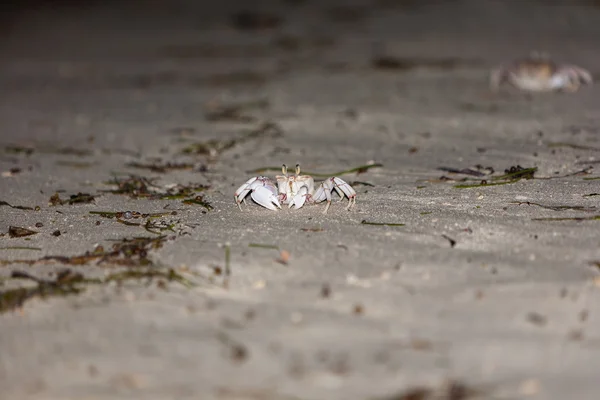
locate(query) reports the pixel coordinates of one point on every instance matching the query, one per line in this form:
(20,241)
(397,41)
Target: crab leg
(340,186)
(346,189)
(573,78)
(241,193)
(497,77)
(581,74)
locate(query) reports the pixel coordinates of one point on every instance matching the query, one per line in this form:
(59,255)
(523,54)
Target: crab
(538,73)
(293,190)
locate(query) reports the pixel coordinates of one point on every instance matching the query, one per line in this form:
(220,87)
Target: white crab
(538,73)
(293,190)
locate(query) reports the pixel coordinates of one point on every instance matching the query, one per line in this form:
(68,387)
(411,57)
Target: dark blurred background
(490,29)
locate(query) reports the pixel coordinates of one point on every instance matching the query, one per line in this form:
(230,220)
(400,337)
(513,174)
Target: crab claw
(300,198)
(342,188)
(266,198)
(261,190)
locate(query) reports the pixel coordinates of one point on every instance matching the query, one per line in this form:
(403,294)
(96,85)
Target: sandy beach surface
(468,268)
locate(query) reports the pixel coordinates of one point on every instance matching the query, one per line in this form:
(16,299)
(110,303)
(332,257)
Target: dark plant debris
(450,390)
(151,225)
(133,185)
(180,192)
(511,175)
(234,112)
(13,171)
(131,214)
(325,291)
(199,200)
(124,252)
(517,172)
(227,259)
(79,198)
(141,187)
(161,168)
(572,146)
(361,183)
(592,218)
(14,149)
(450,240)
(406,64)
(264,246)
(151,273)
(365,222)
(477,170)
(359,170)
(4,203)
(223,270)
(595,264)
(128,223)
(69,282)
(312,229)
(215,147)
(17,232)
(15,298)
(21,248)
(556,208)
(537,319)
(66,151)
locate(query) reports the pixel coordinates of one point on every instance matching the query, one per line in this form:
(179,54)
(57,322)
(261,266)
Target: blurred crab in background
(293,190)
(538,73)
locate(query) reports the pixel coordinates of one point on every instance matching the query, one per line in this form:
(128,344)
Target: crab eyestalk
(297,169)
(284,169)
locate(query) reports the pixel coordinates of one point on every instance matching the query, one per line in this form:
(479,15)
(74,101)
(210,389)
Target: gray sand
(359,311)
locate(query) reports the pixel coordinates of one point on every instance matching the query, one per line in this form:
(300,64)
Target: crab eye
(284,169)
(297,169)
